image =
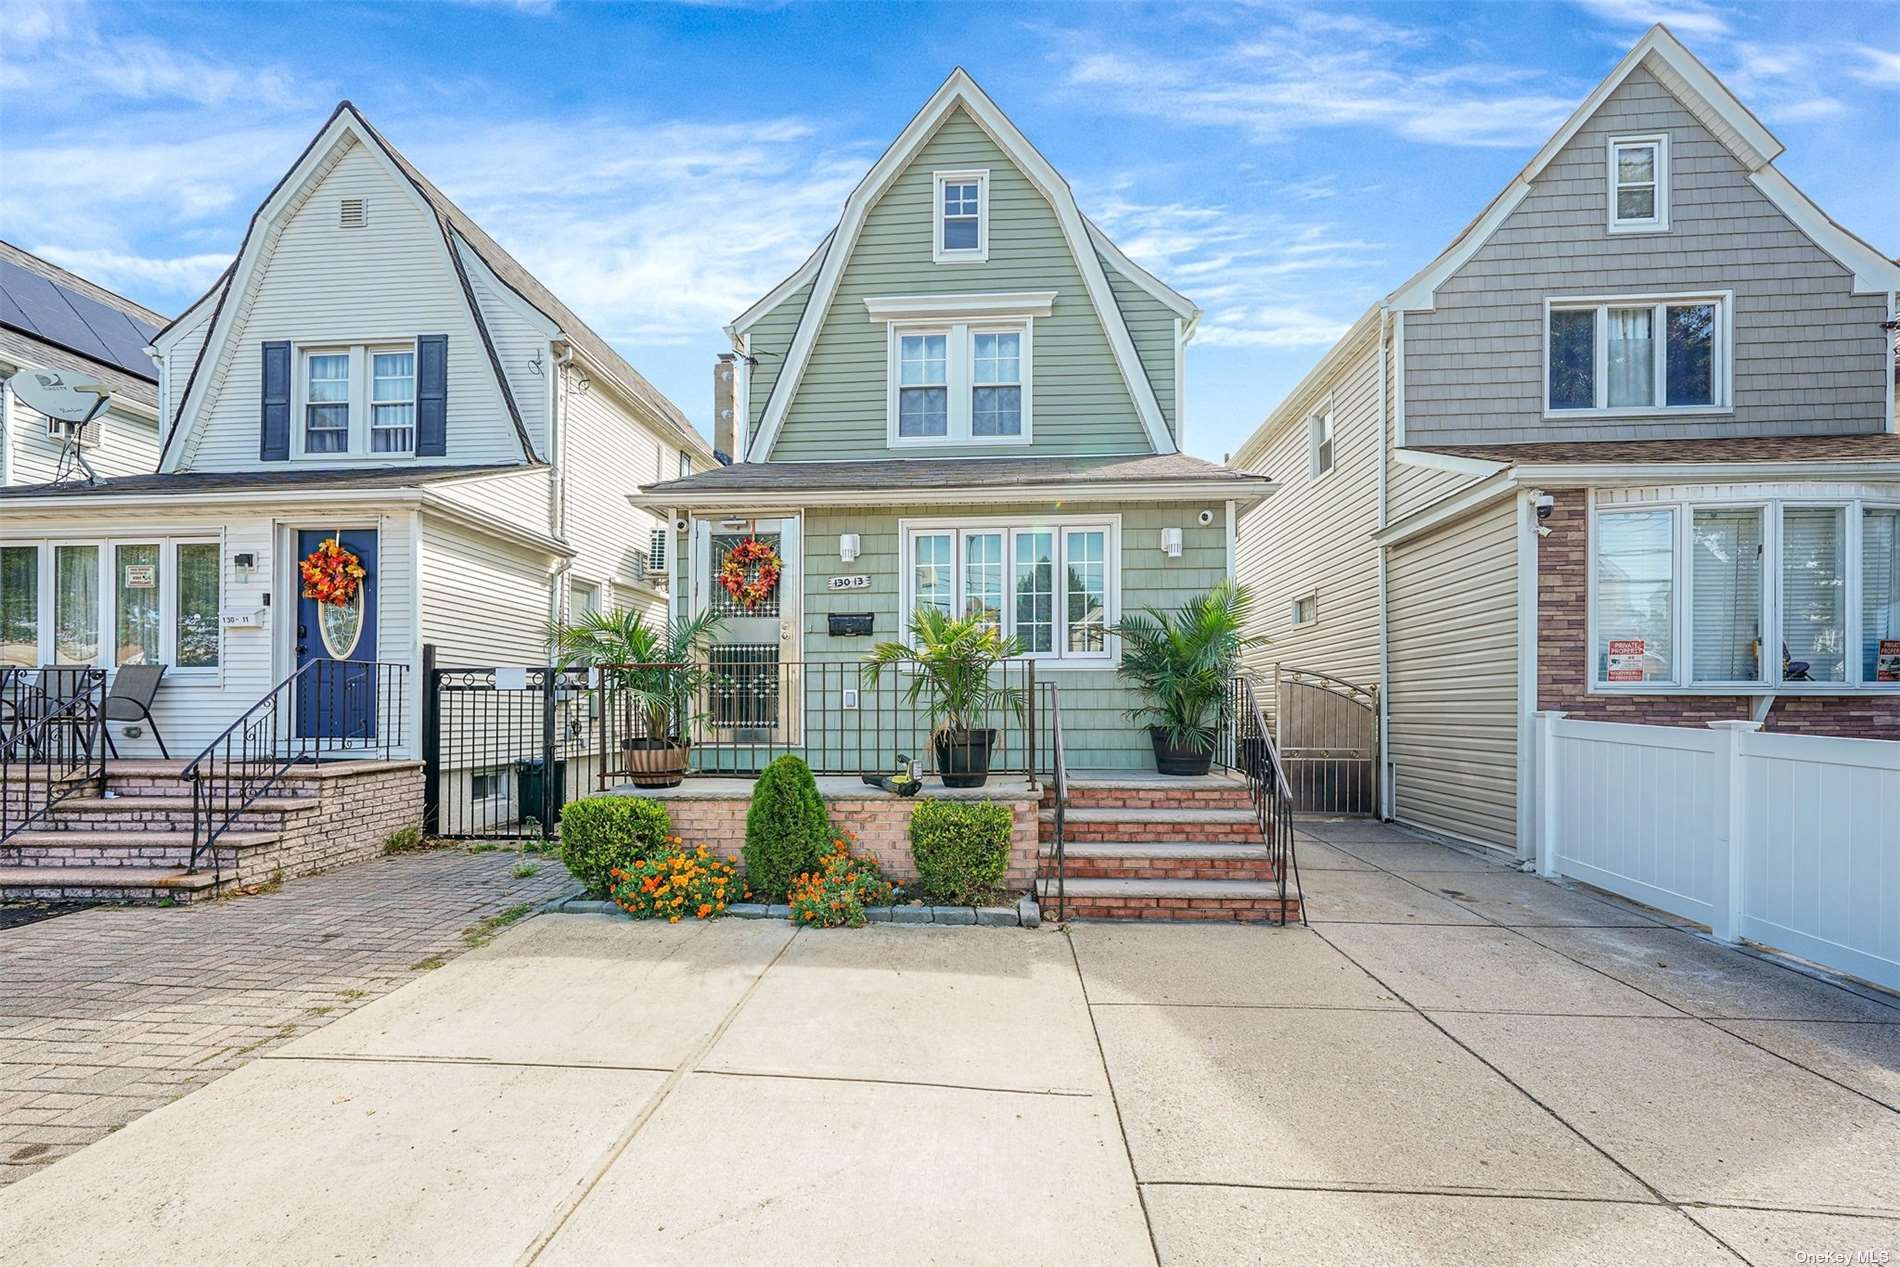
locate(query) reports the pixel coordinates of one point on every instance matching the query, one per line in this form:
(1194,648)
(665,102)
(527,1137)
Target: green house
(969,397)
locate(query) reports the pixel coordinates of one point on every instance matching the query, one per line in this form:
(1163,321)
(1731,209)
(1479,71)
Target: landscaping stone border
(1027,913)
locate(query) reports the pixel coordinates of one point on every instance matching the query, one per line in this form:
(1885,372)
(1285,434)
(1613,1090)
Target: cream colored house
(1625,449)
(373,366)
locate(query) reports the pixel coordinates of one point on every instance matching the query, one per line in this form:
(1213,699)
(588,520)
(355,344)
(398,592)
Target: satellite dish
(61,396)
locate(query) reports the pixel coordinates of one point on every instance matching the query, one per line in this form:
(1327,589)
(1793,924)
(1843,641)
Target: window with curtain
(1813,595)
(1632,358)
(136,584)
(76,604)
(923,391)
(1635,596)
(19,606)
(1611,357)
(1880,595)
(327,403)
(1725,598)
(1049,587)
(196,631)
(392,395)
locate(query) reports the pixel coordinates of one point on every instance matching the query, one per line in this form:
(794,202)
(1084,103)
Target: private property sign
(1626,660)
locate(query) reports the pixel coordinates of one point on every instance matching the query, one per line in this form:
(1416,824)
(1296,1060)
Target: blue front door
(337,699)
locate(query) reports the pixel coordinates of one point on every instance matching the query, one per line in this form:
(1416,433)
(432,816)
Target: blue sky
(661,166)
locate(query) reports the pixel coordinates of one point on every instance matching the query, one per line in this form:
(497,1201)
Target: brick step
(1231,901)
(53,848)
(108,884)
(1101,860)
(1170,826)
(1152,792)
(170,813)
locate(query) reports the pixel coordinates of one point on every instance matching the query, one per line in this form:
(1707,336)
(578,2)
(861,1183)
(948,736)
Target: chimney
(724,413)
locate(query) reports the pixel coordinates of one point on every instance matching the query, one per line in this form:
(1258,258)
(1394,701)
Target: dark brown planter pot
(1178,759)
(963,757)
(654,762)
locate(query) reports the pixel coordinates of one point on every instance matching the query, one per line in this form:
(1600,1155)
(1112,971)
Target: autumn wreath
(331,574)
(750,572)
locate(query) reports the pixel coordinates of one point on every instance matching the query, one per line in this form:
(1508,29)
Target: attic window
(352,213)
(962,216)
(1639,184)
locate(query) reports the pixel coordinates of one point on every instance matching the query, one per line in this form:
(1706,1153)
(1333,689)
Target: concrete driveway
(1455,1063)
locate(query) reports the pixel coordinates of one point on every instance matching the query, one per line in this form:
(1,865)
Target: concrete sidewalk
(1455,1063)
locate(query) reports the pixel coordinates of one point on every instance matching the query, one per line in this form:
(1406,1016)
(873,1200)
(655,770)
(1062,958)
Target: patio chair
(133,690)
(29,703)
(1794,670)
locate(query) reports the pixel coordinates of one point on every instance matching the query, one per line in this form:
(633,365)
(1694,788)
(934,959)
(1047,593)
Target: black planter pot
(963,757)
(1178,759)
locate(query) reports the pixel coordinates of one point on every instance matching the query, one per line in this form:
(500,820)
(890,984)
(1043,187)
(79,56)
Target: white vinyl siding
(1453,678)
(127,445)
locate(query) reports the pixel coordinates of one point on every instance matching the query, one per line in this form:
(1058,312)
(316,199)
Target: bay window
(112,603)
(1645,355)
(1715,597)
(1051,585)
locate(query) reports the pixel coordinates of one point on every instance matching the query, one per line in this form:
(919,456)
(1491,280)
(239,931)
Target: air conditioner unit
(58,429)
(656,555)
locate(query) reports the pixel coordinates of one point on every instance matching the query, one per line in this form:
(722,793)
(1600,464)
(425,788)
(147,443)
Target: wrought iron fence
(52,741)
(1327,730)
(505,747)
(1247,747)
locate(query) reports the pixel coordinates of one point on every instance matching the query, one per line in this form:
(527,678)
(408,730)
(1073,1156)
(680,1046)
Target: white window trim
(1293,609)
(360,415)
(108,613)
(938,253)
(1319,432)
(1059,525)
(1658,223)
(370,353)
(1682,541)
(959,337)
(1723,369)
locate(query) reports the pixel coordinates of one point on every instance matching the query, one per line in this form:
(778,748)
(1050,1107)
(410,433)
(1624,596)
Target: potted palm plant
(1181,663)
(650,675)
(951,660)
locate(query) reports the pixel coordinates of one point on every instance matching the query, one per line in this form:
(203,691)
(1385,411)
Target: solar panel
(75,321)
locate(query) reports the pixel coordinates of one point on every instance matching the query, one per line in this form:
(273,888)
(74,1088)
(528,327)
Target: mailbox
(850,625)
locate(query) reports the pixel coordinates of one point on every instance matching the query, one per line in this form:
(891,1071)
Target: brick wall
(880,824)
(1563,658)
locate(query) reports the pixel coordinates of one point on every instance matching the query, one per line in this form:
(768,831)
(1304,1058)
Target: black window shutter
(274,426)
(432,395)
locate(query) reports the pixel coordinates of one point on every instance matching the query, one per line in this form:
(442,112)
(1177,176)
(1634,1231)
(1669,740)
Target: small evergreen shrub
(786,831)
(961,849)
(676,884)
(601,833)
(835,893)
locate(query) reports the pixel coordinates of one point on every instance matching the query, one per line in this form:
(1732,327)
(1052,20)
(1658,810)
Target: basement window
(1305,609)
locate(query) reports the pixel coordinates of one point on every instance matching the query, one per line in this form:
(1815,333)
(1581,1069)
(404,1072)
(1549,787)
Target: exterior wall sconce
(1171,542)
(848,547)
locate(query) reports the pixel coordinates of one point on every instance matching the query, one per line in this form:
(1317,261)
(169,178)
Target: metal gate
(504,747)
(1328,734)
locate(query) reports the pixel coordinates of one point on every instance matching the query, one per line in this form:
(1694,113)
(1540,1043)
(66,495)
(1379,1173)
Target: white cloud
(1879,67)
(1684,17)
(116,270)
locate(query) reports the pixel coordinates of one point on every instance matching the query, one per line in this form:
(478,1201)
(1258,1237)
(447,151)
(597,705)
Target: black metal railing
(1051,705)
(326,710)
(52,741)
(746,707)
(1246,746)
(505,748)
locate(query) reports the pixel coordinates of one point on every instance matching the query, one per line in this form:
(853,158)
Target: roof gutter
(1586,474)
(1243,492)
(1474,498)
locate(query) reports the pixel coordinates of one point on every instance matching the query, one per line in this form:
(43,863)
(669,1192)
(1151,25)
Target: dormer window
(962,213)
(1639,184)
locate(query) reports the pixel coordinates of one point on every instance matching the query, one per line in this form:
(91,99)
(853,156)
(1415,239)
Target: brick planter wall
(712,812)
(356,813)
(1563,657)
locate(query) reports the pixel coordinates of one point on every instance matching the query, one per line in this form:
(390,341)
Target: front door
(337,699)
(752,698)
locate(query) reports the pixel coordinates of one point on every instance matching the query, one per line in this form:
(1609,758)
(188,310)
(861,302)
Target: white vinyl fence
(1792,841)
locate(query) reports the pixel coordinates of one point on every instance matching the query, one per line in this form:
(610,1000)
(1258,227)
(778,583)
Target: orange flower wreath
(748,586)
(331,574)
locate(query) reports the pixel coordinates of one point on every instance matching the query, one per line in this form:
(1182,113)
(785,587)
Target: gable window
(392,394)
(962,204)
(923,393)
(1053,585)
(1639,183)
(960,383)
(1647,354)
(326,424)
(1776,595)
(1320,441)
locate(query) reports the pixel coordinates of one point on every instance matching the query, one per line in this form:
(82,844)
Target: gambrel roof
(825,268)
(1726,118)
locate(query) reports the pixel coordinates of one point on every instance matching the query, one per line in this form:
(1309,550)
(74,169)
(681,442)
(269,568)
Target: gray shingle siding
(1809,354)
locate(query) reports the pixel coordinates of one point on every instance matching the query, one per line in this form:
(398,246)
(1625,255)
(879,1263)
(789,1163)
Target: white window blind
(1813,600)
(1726,596)
(1636,596)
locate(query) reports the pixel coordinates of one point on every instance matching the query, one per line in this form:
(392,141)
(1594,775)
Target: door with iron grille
(752,696)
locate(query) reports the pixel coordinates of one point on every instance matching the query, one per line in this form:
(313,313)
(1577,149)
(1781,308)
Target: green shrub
(599,833)
(961,849)
(786,830)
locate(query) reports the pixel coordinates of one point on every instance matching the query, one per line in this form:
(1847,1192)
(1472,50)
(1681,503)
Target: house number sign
(848,583)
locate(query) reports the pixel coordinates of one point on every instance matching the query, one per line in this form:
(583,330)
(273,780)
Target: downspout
(557,468)
(1385,677)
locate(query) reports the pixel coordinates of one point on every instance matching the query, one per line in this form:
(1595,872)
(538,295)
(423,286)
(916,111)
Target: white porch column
(1545,732)
(1731,829)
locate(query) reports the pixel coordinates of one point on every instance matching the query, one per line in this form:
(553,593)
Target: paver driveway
(1454,1064)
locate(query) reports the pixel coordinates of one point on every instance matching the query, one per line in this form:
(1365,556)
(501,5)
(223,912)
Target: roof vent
(352,213)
